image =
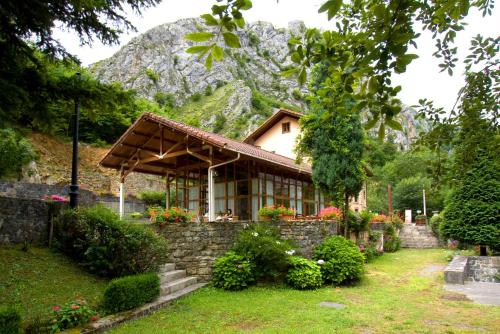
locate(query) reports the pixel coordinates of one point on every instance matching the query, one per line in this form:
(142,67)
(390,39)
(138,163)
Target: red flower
(56,308)
(75,307)
(94,318)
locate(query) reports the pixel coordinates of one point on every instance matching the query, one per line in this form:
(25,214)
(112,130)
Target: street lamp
(73,188)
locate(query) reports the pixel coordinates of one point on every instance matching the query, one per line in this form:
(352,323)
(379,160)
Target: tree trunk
(346,209)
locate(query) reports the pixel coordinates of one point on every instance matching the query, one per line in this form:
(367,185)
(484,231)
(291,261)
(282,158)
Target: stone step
(171,276)
(166,267)
(177,285)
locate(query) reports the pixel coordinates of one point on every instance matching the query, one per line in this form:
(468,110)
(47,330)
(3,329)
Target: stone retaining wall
(483,268)
(38,191)
(25,220)
(195,246)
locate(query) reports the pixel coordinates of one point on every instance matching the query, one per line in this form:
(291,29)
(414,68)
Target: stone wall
(25,220)
(38,191)
(195,246)
(483,268)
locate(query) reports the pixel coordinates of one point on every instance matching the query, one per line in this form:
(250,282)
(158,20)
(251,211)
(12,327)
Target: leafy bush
(435,222)
(303,274)
(153,198)
(392,243)
(10,320)
(370,251)
(125,293)
(262,244)
(232,272)
(357,222)
(15,152)
(136,215)
(70,315)
(343,261)
(196,97)
(105,245)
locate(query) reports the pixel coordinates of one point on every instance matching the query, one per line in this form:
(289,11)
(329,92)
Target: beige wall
(360,203)
(280,143)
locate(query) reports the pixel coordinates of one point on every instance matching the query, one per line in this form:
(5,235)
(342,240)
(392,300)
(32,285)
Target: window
(285,127)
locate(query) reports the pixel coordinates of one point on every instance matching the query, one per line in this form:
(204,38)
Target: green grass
(38,279)
(395,296)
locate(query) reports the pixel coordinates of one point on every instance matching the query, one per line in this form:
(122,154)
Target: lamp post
(73,188)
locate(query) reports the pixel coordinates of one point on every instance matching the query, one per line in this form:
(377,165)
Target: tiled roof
(215,140)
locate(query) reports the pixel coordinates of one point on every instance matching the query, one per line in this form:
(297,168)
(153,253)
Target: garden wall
(195,246)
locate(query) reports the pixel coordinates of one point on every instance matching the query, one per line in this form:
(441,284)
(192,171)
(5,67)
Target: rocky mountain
(236,96)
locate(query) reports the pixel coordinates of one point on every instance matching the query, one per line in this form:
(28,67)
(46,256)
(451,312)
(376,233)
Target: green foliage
(303,274)
(408,192)
(253,39)
(15,152)
(343,261)
(263,246)
(208,90)
(196,97)
(233,272)
(105,245)
(358,222)
(334,140)
(128,292)
(435,223)
(165,99)
(10,321)
(70,315)
(172,215)
(152,75)
(153,198)
(392,243)
(472,214)
(220,122)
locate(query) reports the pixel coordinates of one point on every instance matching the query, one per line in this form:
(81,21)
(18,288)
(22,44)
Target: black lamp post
(73,188)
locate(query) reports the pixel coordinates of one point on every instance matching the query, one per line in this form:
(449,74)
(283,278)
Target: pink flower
(56,308)
(75,307)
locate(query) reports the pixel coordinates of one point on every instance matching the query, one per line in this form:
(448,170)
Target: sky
(421,80)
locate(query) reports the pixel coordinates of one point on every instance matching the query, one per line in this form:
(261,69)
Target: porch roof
(154,145)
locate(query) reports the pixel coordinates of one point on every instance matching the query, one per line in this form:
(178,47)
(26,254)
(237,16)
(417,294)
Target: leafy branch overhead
(225,19)
(371,42)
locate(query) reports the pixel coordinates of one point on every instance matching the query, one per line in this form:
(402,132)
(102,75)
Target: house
(208,173)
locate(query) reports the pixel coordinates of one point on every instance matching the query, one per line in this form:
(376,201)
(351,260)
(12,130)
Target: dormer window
(285,127)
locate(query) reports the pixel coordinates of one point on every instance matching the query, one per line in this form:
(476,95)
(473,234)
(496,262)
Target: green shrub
(343,261)
(232,272)
(70,315)
(357,222)
(10,320)
(196,97)
(136,215)
(125,293)
(392,243)
(208,90)
(153,198)
(107,246)
(262,244)
(15,152)
(434,223)
(370,251)
(303,274)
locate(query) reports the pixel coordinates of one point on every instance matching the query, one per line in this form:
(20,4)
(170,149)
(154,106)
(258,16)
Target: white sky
(422,79)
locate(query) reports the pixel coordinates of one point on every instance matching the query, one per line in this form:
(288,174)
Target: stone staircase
(172,280)
(418,236)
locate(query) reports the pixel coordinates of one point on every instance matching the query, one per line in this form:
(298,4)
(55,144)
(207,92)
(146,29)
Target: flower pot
(420,221)
(264,218)
(288,217)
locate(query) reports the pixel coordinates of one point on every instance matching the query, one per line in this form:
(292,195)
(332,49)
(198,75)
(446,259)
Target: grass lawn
(399,293)
(39,279)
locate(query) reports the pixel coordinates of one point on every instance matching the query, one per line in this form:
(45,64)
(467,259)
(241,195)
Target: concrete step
(171,276)
(177,285)
(166,267)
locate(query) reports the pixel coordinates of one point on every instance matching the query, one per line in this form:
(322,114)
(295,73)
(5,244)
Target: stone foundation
(195,246)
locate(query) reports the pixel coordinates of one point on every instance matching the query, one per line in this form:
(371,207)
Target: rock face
(156,65)
(156,61)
